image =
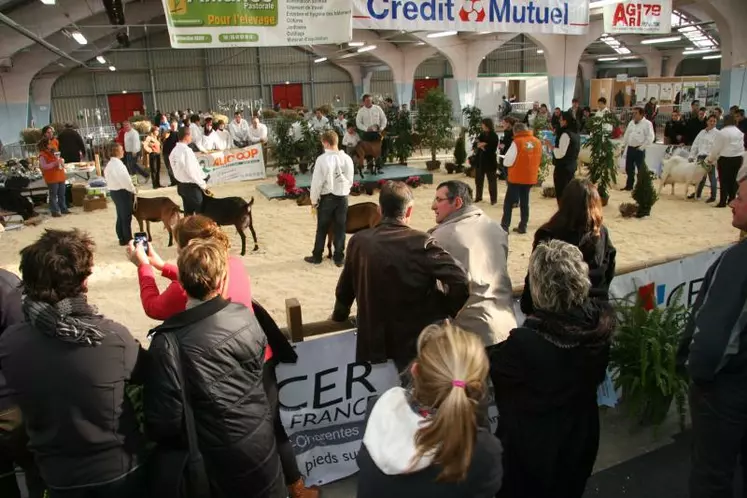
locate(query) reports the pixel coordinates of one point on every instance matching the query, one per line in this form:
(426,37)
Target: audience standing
(480,245)
(565,154)
(522,161)
(152,147)
(169,142)
(675,131)
(132,146)
(487,161)
(53,172)
(545,377)
(72,147)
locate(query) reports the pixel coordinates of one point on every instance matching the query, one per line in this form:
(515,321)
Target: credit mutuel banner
(257,23)
(569,17)
(638,16)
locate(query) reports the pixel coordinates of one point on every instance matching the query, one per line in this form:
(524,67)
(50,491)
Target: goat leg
(254,234)
(243,239)
(139,223)
(147,227)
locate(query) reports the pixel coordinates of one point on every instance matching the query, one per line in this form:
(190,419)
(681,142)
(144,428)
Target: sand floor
(286,232)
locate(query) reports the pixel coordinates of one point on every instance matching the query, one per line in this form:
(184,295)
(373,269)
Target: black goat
(231,211)
(13,201)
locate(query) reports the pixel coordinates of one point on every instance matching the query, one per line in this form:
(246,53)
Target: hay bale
(220,117)
(31,135)
(548,192)
(142,127)
(628,209)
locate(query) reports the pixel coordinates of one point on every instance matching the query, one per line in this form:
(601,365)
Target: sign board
(621,77)
(233,165)
(257,23)
(638,16)
(568,17)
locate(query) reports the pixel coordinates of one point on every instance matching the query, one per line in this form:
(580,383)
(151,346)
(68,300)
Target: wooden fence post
(294,319)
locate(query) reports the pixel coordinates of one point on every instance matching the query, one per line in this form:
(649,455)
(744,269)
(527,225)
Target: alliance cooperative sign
(570,17)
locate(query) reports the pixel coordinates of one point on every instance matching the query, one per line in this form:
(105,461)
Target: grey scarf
(67,320)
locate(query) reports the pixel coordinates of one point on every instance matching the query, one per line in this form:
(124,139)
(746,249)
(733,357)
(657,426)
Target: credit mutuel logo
(494,11)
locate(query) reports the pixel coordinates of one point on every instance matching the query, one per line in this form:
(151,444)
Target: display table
(80,170)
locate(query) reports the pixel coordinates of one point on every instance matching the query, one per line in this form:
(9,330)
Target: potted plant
(283,147)
(603,167)
(644,193)
(644,355)
(308,148)
(460,153)
(434,124)
(400,131)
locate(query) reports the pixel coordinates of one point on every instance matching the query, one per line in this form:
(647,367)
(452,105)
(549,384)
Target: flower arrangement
(414,181)
(357,188)
(381,183)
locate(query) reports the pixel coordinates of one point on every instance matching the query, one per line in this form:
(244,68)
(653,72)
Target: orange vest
(529,155)
(55,144)
(53,175)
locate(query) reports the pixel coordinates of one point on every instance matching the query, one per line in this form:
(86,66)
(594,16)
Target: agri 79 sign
(638,16)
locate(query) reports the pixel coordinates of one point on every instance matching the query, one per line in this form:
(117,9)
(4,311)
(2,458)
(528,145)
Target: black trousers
(129,486)
(719,417)
(491,173)
(172,179)
(633,160)
(155,169)
(192,196)
(561,177)
(728,167)
(331,211)
(14,451)
(123,200)
(133,167)
(516,193)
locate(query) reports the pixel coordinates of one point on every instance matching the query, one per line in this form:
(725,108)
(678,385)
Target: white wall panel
(382,76)
(74,83)
(232,76)
(66,109)
(434,68)
(232,56)
(115,82)
(280,73)
(384,88)
(179,79)
(325,93)
(228,94)
(282,55)
(127,60)
(177,58)
(329,72)
(193,99)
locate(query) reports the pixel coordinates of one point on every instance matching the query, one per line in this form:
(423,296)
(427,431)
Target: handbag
(180,473)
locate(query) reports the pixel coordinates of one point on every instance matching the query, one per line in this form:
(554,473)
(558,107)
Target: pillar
(41,100)
(588,73)
(673,62)
(653,65)
(14,105)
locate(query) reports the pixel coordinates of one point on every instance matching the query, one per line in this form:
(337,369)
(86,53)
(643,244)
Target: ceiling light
(427,77)
(48,2)
(356,44)
(608,59)
(287,82)
(699,51)
(124,91)
(320,59)
(666,39)
(78,36)
(348,55)
(101,59)
(366,49)
(602,3)
(420,43)
(441,34)
(112,68)
(715,56)
(540,51)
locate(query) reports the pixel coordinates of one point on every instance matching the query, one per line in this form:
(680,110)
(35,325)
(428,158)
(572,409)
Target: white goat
(677,169)
(584,155)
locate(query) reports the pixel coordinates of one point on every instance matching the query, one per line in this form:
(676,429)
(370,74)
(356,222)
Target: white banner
(257,23)
(569,17)
(638,16)
(233,165)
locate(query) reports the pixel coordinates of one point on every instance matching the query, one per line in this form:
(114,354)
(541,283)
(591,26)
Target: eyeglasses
(440,199)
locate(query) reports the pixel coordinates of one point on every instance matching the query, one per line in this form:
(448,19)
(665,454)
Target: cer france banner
(638,16)
(257,23)
(233,165)
(569,17)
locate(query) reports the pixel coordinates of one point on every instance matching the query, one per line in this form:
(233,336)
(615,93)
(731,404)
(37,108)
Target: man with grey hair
(402,280)
(481,246)
(714,352)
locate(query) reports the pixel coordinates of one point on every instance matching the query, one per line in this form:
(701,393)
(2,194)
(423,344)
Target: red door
(288,96)
(423,86)
(124,105)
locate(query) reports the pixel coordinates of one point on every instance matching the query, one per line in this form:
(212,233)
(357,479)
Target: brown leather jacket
(403,281)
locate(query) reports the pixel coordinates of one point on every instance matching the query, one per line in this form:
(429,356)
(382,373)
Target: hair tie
(458,383)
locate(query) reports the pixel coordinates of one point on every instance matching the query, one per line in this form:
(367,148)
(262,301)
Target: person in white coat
(188,173)
(699,150)
(727,153)
(371,121)
(239,130)
(122,192)
(638,136)
(480,245)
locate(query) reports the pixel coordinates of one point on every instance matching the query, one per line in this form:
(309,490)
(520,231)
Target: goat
(231,211)
(584,155)
(13,201)
(677,169)
(359,217)
(157,209)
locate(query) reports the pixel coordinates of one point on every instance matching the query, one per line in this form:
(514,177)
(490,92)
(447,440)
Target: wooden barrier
(297,330)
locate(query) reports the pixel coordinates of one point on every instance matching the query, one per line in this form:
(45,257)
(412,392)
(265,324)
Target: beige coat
(481,246)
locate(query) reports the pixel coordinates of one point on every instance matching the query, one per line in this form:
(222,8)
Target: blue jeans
(516,193)
(123,200)
(57,201)
(633,161)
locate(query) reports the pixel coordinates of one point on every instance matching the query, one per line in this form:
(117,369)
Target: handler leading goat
(371,122)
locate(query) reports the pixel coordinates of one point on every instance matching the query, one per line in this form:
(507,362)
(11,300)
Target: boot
(299,490)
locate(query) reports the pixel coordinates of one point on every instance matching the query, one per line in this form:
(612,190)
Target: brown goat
(360,216)
(370,149)
(156,209)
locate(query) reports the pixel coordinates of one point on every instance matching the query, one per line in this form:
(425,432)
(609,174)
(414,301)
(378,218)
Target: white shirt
(333,174)
(341,124)
(198,136)
(510,158)
(729,142)
(560,151)
(319,124)
(350,140)
(218,140)
(117,177)
(132,141)
(185,166)
(258,134)
(239,131)
(370,116)
(639,135)
(703,143)
(603,111)
(295,131)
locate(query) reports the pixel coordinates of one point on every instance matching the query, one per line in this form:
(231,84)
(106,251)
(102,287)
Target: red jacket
(163,305)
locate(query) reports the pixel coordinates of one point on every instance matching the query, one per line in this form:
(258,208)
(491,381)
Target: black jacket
(393,271)
(222,353)
(10,314)
(81,424)
(693,126)
(169,143)
(71,145)
(506,140)
(570,160)
(599,255)
(488,157)
(675,132)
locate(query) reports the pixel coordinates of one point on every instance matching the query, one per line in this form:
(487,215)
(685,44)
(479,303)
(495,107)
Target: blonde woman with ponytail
(426,441)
